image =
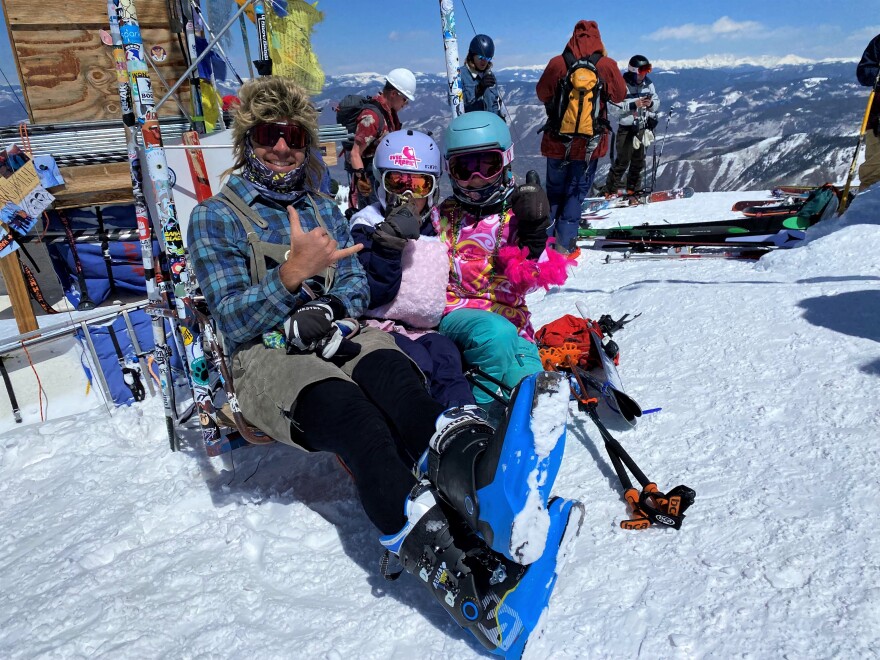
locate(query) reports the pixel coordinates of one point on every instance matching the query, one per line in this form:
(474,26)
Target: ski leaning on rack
(123,18)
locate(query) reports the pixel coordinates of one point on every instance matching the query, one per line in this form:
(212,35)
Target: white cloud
(864,34)
(724,28)
(411,35)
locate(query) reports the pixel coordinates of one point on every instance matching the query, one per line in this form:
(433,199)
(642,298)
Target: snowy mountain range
(735,124)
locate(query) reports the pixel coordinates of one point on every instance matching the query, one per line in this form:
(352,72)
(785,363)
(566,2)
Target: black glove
(311,328)
(532,210)
(651,123)
(405,222)
(487,81)
(400,225)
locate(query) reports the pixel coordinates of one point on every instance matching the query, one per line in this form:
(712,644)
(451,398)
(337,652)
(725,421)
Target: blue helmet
(474,132)
(483,45)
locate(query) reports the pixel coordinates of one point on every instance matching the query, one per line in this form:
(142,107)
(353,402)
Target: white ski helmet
(404,81)
(407,150)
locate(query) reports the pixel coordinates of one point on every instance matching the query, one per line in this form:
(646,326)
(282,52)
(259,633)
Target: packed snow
(767,377)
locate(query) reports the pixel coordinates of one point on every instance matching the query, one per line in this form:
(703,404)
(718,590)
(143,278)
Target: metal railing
(95,142)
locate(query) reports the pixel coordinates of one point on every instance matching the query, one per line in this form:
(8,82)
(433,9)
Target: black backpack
(574,110)
(348,111)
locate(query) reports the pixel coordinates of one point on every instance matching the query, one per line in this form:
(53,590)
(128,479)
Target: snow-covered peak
(733,61)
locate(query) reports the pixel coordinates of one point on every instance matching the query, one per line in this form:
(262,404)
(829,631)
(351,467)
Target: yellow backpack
(575,106)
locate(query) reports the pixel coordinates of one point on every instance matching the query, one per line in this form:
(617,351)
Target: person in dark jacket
(568,158)
(478,84)
(636,118)
(866,72)
(406,264)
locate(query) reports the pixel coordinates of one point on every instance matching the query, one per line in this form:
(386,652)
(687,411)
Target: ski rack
(85,143)
(82,322)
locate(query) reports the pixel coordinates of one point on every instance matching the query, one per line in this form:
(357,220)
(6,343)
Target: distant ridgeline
(732,128)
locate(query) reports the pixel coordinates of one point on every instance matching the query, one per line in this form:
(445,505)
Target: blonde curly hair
(270,99)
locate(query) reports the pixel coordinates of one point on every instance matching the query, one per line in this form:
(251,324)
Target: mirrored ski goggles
(409,183)
(483,58)
(485,165)
(645,69)
(267,135)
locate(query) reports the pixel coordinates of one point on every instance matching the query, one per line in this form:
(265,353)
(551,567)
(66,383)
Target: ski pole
(862,132)
(650,506)
(657,156)
(85,302)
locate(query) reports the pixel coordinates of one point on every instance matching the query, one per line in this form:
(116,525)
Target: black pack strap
(16,411)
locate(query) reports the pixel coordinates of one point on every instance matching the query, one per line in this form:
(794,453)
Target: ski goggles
(268,134)
(483,58)
(645,69)
(416,184)
(485,165)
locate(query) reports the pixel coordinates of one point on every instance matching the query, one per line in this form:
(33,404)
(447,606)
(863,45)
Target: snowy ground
(767,375)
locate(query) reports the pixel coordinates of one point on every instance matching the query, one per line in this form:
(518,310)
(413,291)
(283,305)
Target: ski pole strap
(131,377)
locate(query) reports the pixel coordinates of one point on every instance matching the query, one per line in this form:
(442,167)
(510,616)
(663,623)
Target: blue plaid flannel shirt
(220,257)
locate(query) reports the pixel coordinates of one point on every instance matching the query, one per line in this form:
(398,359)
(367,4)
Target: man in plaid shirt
(307,375)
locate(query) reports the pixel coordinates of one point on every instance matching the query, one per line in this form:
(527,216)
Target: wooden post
(18,295)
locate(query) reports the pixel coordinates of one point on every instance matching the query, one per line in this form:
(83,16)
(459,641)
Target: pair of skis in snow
(591,205)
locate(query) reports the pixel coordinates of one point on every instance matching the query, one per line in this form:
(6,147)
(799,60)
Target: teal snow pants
(491,342)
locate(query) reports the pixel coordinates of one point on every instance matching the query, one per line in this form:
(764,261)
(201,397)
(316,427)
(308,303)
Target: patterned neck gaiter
(275,185)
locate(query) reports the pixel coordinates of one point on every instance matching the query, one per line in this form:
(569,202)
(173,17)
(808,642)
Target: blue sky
(378,36)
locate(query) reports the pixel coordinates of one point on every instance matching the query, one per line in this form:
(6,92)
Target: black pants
(379,427)
(627,157)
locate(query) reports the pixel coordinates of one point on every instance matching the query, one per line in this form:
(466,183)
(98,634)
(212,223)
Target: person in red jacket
(568,157)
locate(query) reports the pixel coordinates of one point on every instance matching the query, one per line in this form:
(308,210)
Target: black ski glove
(400,225)
(311,328)
(532,210)
(651,123)
(487,81)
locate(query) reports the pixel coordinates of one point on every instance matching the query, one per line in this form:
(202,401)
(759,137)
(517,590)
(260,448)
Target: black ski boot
(500,482)
(499,601)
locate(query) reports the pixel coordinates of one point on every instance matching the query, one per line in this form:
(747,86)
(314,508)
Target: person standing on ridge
(636,119)
(478,84)
(573,88)
(866,72)
(375,120)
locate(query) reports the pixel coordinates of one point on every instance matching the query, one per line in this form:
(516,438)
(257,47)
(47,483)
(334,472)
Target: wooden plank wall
(67,74)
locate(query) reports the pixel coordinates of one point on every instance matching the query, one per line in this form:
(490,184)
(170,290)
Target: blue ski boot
(500,481)
(499,601)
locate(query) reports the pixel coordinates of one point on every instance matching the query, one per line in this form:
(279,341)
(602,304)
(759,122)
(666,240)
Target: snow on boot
(499,601)
(499,482)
